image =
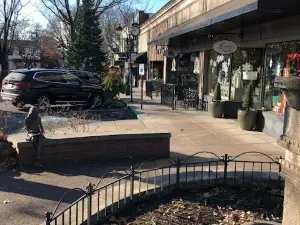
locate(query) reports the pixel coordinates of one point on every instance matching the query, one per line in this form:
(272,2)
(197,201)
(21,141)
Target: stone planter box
(99,147)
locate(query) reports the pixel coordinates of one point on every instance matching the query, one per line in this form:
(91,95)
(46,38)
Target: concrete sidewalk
(194,131)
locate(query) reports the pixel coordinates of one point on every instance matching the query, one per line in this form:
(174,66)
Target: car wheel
(18,104)
(97,101)
(43,101)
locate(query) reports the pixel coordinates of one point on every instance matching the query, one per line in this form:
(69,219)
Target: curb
(262,222)
(134,113)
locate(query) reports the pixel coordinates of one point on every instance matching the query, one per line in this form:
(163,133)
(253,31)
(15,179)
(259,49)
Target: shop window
(246,65)
(282,59)
(218,71)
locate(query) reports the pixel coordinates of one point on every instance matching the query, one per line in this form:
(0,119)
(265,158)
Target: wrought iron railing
(182,96)
(137,183)
(168,94)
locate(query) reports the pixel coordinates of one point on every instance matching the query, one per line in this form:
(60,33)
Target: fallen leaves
(225,206)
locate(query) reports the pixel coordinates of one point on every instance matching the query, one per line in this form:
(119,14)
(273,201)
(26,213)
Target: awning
(141,57)
(258,9)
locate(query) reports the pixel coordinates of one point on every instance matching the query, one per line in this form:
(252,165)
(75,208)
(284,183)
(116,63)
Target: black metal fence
(137,183)
(182,96)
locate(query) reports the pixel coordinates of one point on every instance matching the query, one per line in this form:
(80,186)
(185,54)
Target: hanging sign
(141,69)
(170,53)
(196,66)
(225,47)
(173,69)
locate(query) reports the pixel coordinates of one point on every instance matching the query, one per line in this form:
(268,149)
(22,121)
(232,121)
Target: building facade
(268,39)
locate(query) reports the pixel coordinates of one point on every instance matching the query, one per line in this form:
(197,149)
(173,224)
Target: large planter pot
(217,109)
(290,86)
(247,119)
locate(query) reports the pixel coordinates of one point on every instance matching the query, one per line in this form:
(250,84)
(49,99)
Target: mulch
(222,206)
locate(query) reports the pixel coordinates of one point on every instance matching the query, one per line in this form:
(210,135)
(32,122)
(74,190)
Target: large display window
(234,71)
(219,71)
(282,59)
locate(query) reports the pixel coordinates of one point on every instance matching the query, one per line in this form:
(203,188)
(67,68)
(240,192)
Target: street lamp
(134,32)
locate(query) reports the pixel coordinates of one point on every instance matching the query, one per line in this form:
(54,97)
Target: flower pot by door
(247,119)
(217,109)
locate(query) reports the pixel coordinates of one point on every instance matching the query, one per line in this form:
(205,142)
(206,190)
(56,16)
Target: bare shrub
(67,120)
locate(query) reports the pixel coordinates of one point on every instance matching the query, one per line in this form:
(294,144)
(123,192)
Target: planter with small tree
(247,115)
(216,105)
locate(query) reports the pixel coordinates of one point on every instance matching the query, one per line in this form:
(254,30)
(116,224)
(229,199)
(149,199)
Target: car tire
(96,101)
(19,105)
(43,101)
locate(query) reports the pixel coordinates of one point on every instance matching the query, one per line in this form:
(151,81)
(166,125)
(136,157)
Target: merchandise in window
(219,70)
(246,66)
(282,59)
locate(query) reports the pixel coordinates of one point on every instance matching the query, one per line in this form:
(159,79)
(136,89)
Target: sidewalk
(194,131)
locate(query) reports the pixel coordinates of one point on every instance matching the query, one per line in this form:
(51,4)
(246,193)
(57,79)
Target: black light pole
(130,45)
(134,32)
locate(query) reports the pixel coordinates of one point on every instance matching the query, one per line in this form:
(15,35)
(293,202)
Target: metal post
(132,182)
(142,92)
(89,210)
(173,97)
(225,168)
(178,165)
(130,67)
(48,218)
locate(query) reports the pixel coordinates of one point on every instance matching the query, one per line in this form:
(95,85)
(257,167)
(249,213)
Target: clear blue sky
(155,5)
(31,11)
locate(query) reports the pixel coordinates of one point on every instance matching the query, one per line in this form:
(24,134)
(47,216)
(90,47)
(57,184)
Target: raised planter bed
(99,147)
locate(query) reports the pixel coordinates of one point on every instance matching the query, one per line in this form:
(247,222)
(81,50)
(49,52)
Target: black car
(44,87)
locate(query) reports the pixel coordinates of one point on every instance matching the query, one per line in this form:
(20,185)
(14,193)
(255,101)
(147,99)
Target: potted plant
(216,105)
(247,115)
(290,86)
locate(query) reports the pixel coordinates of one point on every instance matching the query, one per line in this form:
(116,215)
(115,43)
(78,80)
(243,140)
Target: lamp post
(134,32)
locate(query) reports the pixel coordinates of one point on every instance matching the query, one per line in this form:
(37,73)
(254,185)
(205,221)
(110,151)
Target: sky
(31,10)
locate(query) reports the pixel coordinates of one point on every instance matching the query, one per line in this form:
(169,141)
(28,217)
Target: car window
(16,76)
(50,77)
(82,75)
(71,79)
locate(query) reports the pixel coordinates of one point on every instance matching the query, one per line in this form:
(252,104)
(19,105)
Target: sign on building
(225,47)
(141,69)
(171,53)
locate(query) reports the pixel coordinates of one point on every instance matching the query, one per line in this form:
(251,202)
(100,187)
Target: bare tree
(66,11)
(122,15)
(9,19)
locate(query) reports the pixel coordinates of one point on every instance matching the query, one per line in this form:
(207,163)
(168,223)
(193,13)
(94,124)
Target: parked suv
(46,87)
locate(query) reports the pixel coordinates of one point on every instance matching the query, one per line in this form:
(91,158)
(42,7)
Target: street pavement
(28,193)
